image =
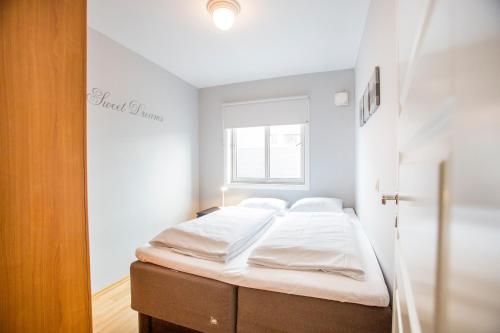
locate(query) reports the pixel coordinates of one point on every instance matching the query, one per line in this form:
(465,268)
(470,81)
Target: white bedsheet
(312,242)
(219,236)
(371,291)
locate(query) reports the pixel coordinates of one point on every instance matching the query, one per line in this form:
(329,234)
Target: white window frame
(231,180)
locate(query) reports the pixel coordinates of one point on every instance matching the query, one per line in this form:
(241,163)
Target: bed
(174,292)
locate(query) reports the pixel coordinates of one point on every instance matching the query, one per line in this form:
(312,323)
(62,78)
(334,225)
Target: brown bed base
(173,301)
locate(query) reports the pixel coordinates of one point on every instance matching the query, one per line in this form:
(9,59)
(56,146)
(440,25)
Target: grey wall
(142,174)
(331,136)
(376,142)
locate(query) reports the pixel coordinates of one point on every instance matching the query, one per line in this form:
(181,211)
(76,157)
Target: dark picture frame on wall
(361,113)
(370,100)
(374,90)
(366,105)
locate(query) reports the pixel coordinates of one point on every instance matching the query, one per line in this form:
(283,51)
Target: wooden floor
(111,312)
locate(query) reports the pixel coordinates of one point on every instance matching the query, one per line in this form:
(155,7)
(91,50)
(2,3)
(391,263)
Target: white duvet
(371,291)
(219,236)
(312,241)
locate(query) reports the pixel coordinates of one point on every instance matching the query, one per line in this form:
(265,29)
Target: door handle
(388,197)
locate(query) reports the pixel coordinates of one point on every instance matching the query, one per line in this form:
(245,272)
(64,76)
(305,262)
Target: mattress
(372,291)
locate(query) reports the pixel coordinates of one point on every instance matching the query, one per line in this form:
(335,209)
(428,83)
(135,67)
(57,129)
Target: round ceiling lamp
(223,12)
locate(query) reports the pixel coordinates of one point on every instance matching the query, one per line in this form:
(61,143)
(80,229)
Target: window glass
(285,151)
(250,152)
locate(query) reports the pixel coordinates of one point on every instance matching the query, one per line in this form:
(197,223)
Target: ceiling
(270,38)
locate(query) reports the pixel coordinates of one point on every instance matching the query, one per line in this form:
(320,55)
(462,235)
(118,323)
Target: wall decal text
(133,107)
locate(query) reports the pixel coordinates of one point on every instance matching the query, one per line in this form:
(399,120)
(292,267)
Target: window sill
(292,187)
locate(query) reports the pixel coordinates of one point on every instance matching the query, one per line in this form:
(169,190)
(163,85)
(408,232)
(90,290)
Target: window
(267,154)
(266,143)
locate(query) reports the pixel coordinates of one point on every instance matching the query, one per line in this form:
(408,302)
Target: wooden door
(447,235)
(44,269)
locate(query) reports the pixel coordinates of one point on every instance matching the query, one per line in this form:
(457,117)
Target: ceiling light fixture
(223,12)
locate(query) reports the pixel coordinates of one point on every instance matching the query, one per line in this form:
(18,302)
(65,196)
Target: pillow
(331,205)
(278,205)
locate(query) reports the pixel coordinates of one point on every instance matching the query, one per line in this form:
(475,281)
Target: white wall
(376,150)
(331,136)
(142,174)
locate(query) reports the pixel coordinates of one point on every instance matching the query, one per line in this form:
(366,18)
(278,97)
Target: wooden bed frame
(173,301)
